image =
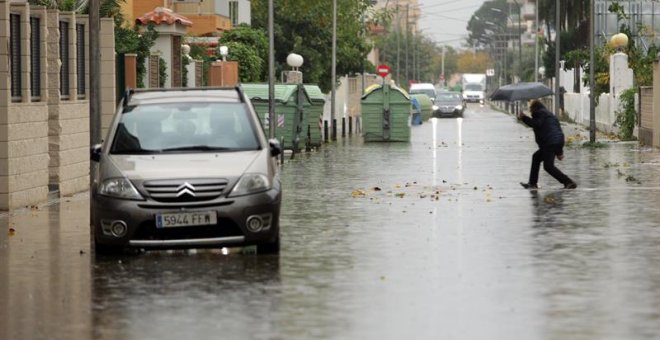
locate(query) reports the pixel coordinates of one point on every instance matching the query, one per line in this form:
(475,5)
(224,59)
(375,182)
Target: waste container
(426,105)
(386,114)
(291,102)
(315,114)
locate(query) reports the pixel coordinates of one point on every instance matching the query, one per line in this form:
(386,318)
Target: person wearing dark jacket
(550,139)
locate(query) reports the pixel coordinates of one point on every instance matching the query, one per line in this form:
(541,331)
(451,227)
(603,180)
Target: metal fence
(643,18)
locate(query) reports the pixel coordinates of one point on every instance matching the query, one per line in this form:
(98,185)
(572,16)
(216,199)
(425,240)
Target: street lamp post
(592,66)
(519,40)
(271,71)
(536,41)
(334,71)
(519,69)
(557,55)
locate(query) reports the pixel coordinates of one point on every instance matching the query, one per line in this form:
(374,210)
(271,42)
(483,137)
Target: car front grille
(178,190)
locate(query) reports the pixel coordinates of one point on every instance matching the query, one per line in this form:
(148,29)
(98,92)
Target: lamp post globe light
(619,41)
(294,60)
(224,51)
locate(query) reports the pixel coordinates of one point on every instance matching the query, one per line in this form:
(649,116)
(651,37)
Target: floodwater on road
(429,239)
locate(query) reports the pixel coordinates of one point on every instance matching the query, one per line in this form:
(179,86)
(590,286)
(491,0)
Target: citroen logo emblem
(185,188)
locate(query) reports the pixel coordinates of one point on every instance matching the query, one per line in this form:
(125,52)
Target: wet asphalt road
(433,239)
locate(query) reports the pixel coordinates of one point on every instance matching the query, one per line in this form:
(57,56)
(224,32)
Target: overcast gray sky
(445,21)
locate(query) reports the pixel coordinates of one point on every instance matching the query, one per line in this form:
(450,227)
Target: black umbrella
(521,91)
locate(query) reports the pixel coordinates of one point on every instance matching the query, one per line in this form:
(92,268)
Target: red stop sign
(383,70)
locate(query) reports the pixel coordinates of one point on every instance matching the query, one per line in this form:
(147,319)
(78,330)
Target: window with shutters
(80,59)
(15,55)
(64,59)
(233,12)
(35,58)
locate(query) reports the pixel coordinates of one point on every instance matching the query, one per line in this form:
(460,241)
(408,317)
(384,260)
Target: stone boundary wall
(44,139)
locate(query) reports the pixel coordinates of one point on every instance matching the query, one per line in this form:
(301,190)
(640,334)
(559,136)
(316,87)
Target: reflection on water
(439,242)
(181,295)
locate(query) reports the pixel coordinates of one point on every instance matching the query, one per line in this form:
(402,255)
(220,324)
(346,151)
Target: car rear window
(449,96)
(185,127)
(429,92)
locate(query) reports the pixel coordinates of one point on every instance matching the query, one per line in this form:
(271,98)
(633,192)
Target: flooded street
(432,239)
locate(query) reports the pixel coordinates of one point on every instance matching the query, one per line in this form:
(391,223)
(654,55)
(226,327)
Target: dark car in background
(448,104)
(185,168)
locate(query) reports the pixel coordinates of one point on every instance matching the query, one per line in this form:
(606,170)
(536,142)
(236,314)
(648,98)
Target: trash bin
(426,105)
(386,112)
(291,102)
(314,115)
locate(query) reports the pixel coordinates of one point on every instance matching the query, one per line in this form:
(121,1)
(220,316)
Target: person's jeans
(546,155)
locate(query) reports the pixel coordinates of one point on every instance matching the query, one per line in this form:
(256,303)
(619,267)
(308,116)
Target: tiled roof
(163,15)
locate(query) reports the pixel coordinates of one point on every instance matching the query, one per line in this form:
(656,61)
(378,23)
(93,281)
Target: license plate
(187,219)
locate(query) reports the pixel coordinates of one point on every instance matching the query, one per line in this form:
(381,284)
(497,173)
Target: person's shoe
(570,185)
(529,186)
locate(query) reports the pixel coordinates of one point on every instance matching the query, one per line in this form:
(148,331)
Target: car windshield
(428,92)
(184,127)
(473,87)
(445,97)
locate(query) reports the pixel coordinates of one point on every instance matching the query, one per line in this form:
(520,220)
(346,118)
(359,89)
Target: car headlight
(250,184)
(119,187)
(459,107)
(435,107)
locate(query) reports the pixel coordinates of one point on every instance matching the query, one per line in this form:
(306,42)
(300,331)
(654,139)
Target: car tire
(272,247)
(103,249)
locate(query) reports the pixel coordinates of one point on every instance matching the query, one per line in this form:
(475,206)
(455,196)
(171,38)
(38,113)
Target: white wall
(576,105)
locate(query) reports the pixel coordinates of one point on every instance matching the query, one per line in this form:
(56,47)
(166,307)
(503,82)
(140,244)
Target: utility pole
(519,41)
(95,73)
(444,79)
(557,55)
(407,73)
(271,71)
(536,42)
(334,71)
(592,82)
(398,41)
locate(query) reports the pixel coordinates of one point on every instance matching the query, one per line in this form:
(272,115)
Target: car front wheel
(272,247)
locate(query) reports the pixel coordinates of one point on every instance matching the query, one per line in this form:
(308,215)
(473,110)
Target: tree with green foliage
(305,28)
(487,23)
(248,46)
(422,55)
(133,40)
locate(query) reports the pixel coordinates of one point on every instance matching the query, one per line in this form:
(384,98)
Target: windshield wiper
(134,152)
(197,148)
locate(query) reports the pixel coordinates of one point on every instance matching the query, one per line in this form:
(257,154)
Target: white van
(425,88)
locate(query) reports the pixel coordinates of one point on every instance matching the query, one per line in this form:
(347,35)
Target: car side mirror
(275,148)
(95,152)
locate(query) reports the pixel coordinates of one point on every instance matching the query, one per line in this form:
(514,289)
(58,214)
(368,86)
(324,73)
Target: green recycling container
(291,102)
(315,114)
(386,112)
(425,103)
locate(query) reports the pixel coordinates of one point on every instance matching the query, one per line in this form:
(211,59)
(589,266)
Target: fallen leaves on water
(550,199)
(12,231)
(377,189)
(632,179)
(400,194)
(358,193)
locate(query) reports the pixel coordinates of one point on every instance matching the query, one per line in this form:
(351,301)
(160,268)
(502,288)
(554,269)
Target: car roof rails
(127,96)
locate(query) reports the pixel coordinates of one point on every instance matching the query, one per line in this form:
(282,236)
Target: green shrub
(626,116)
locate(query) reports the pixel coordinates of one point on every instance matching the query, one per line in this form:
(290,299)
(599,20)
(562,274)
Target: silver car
(185,168)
